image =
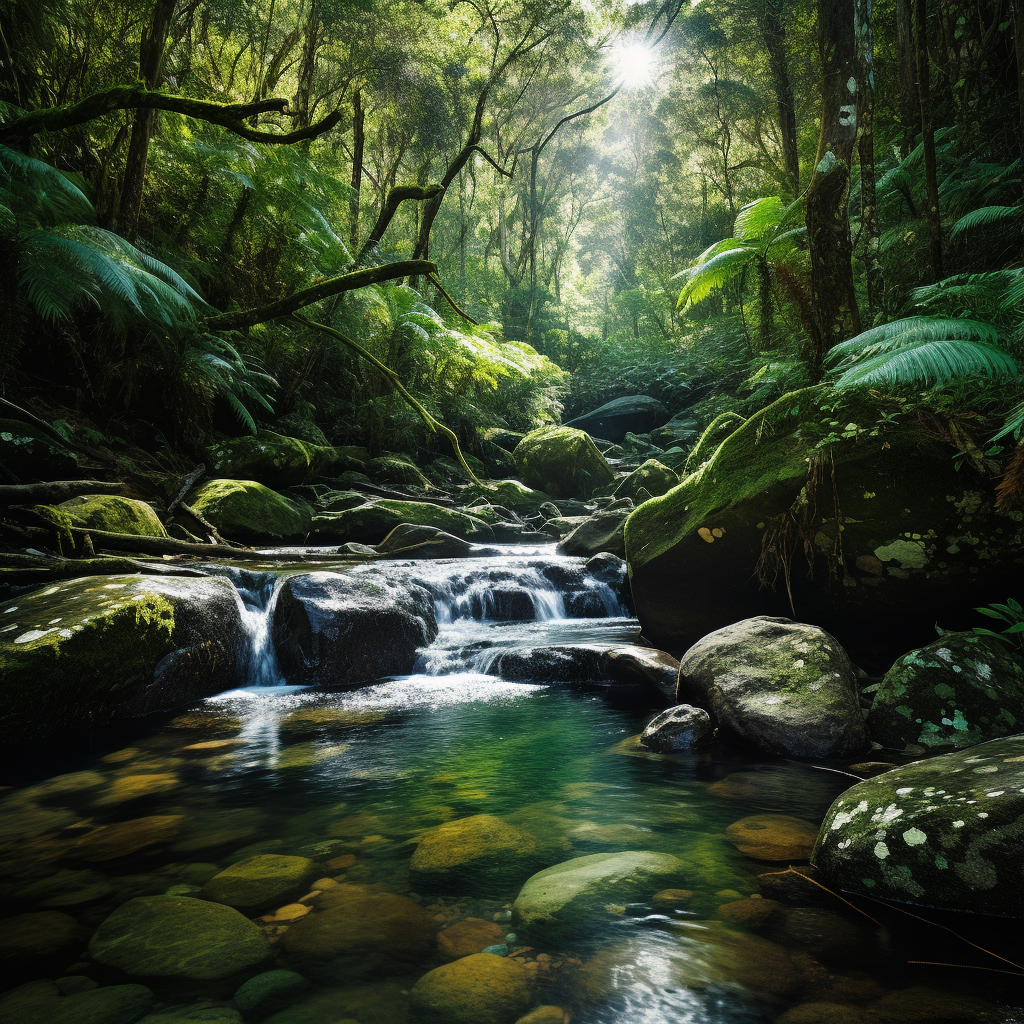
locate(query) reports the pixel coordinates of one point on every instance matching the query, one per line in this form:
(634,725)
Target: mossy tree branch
(324,290)
(231,116)
(435,425)
(395,198)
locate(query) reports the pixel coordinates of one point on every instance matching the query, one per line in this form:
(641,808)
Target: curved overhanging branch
(324,290)
(451,302)
(395,198)
(435,425)
(127,97)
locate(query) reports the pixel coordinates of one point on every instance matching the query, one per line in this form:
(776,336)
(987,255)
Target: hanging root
(1010,489)
(435,425)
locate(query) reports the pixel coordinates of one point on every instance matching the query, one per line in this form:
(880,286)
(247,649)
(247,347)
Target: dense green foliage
(614,228)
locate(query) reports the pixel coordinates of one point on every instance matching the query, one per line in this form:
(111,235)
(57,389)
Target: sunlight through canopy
(635,64)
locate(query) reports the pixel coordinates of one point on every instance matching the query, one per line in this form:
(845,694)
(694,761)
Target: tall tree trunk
(928,138)
(773,32)
(828,220)
(1018,44)
(307,65)
(909,105)
(151,55)
(866,153)
(358,142)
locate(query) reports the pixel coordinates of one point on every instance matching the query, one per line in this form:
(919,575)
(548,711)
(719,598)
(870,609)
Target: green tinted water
(355,780)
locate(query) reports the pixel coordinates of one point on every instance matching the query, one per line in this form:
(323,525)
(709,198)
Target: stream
(491,722)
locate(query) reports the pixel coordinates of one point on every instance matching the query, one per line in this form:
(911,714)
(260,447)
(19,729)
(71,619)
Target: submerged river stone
(478,989)
(333,628)
(475,852)
(784,686)
(955,692)
(261,881)
(93,651)
(356,932)
(42,1002)
(946,832)
(562,462)
(178,937)
(556,902)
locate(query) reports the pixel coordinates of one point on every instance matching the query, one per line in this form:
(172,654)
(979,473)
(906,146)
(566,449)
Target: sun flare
(636,65)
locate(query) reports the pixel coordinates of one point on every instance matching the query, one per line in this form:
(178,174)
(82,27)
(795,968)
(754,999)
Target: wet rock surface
(109,648)
(945,832)
(635,414)
(955,692)
(784,686)
(679,728)
(333,628)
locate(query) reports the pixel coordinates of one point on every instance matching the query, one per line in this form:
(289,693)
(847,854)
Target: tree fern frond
(1010,216)
(713,274)
(928,361)
(891,336)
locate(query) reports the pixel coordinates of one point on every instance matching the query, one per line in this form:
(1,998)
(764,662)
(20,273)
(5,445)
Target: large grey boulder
(785,686)
(334,628)
(562,900)
(946,832)
(954,692)
(602,532)
(633,414)
(89,652)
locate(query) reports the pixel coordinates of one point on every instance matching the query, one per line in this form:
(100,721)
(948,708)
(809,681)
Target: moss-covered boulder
(40,943)
(30,453)
(479,852)
(247,511)
(651,476)
(562,462)
(478,989)
(42,1002)
(561,900)
(265,880)
(114,514)
(634,414)
(946,832)
(89,652)
(178,937)
(954,692)
(784,686)
(349,627)
(272,459)
(374,520)
(395,469)
(859,511)
(424,542)
(510,493)
(356,932)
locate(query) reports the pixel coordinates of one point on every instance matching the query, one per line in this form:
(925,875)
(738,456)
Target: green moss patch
(248,511)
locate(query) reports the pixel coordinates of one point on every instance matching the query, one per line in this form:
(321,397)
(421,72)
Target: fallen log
(169,546)
(17,570)
(53,492)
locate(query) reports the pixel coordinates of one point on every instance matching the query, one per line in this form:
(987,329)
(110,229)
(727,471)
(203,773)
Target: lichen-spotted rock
(88,652)
(784,686)
(946,832)
(955,692)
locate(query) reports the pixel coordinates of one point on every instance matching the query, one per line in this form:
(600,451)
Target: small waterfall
(257,596)
(258,658)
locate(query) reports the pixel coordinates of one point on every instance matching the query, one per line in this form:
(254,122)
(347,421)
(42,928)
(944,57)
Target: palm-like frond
(39,195)
(1009,216)
(767,216)
(706,277)
(924,350)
